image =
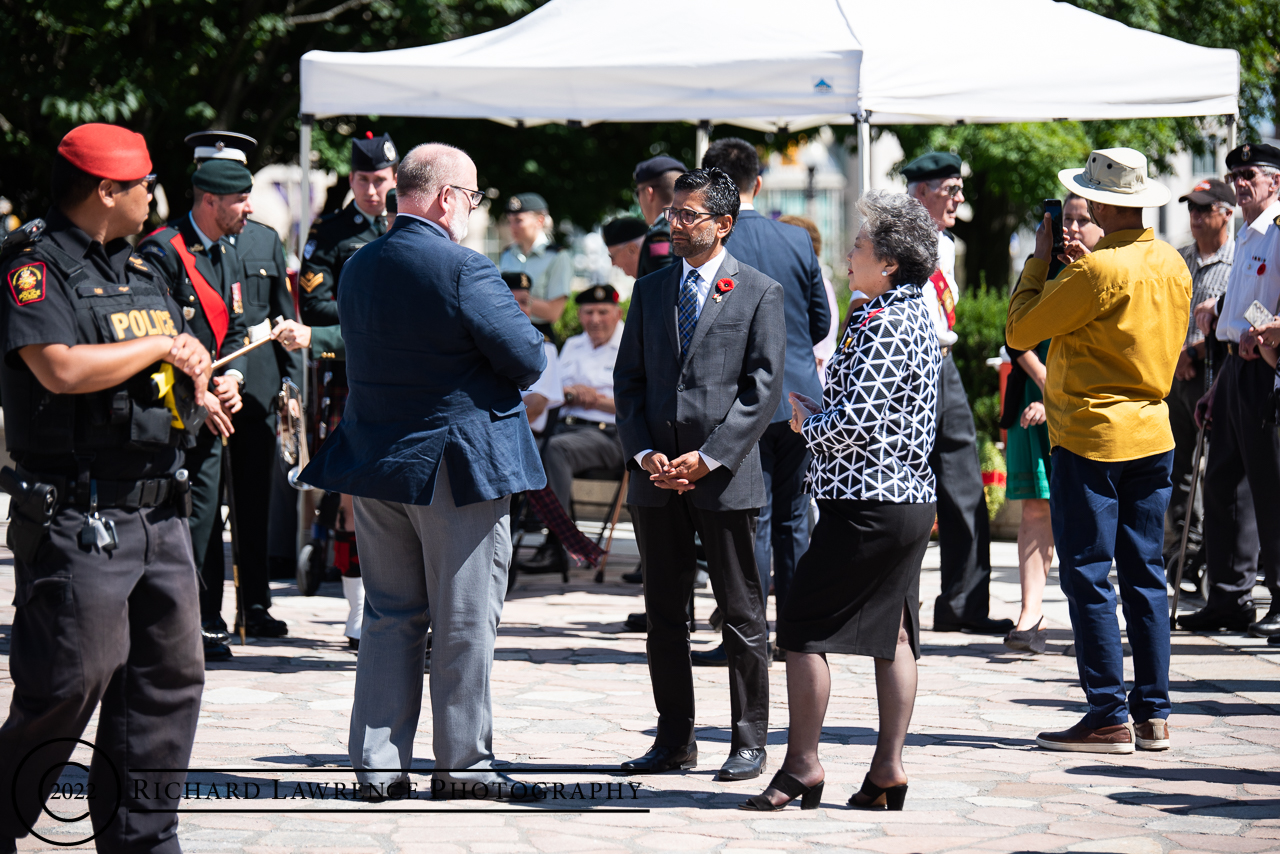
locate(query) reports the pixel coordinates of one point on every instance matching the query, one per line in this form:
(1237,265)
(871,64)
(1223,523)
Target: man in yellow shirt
(1117,317)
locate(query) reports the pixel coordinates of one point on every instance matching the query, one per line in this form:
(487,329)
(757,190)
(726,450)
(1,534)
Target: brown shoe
(1152,734)
(1081,739)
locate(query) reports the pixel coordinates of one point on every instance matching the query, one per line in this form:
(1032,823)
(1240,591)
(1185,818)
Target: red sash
(945,298)
(215,308)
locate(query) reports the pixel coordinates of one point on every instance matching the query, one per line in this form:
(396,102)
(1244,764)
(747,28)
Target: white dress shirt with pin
(706,275)
(947,264)
(549,386)
(1255,275)
(583,364)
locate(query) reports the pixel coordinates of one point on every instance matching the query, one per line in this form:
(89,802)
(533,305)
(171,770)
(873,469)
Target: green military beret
(935,164)
(222,177)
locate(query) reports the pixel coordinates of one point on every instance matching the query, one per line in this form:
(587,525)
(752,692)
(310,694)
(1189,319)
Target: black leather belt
(946,351)
(1233,348)
(124,494)
(573,420)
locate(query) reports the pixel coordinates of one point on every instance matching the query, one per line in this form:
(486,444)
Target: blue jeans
(1104,511)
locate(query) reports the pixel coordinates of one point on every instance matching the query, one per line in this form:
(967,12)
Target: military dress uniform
(106,602)
(549,268)
(655,252)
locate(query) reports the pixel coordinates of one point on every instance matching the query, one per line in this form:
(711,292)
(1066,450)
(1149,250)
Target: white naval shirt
(583,364)
(947,264)
(548,385)
(1255,275)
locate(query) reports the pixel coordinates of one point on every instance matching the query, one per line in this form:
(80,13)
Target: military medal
(237,304)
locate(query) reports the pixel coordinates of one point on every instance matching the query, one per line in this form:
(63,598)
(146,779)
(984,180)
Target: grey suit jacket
(719,401)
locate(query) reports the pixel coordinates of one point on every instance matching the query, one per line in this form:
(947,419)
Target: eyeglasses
(475,197)
(1246,175)
(952,190)
(684,216)
(1200,210)
(148,181)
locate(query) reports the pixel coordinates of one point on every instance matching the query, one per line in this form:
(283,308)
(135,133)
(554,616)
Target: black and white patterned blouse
(873,438)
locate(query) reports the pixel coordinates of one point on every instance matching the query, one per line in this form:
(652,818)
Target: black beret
(647,170)
(935,164)
(373,153)
(517,281)
(392,204)
(1254,154)
(527,202)
(221,144)
(623,229)
(222,177)
(597,294)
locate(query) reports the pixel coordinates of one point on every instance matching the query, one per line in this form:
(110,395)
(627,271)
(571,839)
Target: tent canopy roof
(758,64)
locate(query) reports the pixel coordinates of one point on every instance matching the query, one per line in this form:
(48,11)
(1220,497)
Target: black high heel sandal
(891,798)
(810,796)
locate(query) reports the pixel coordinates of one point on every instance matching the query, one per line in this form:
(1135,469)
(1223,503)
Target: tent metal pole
(864,153)
(1231,145)
(304,163)
(702,141)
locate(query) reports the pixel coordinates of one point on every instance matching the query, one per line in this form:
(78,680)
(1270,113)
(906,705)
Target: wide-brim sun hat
(1116,176)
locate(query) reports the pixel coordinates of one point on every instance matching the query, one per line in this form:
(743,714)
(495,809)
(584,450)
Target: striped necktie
(688,307)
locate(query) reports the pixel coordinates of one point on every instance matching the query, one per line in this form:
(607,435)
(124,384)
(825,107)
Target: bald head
(427,185)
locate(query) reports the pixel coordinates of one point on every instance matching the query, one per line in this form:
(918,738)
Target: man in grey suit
(697,380)
(433,442)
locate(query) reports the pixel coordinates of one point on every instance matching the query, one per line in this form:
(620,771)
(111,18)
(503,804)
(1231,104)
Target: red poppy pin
(722,287)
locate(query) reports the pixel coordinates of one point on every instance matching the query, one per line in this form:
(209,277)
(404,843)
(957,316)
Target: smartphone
(1053,207)
(1257,315)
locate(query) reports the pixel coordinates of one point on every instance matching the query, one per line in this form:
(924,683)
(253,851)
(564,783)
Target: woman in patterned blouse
(857,588)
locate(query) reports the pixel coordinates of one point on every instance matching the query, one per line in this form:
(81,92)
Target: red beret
(107,151)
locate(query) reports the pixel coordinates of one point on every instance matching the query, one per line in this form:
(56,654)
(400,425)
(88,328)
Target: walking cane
(242,616)
(1191,494)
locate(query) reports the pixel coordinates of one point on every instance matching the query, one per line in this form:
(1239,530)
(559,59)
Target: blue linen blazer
(785,254)
(437,352)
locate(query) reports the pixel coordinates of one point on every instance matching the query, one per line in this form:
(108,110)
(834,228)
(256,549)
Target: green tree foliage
(980,318)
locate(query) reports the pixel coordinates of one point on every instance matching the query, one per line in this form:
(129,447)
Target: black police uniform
(260,485)
(94,624)
(655,252)
(220,269)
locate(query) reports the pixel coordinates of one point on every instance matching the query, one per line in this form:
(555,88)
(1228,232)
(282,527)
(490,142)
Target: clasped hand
(679,474)
(1072,250)
(801,408)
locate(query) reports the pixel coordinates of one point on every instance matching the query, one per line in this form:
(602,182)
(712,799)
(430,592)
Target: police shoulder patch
(28,283)
(310,281)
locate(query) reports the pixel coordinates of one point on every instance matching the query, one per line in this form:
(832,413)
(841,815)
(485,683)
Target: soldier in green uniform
(204,277)
(655,190)
(331,242)
(106,618)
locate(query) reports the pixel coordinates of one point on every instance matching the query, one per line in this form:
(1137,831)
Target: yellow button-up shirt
(1117,318)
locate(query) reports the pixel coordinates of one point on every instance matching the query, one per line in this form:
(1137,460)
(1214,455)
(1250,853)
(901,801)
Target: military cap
(517,281)
(527,202)
(106,151)
(647,170)
(393,205)
(935,164)
(623,229)
(373,153)
(1208,191)
(221,145)
(222,177)
(598,294)
(1254,154)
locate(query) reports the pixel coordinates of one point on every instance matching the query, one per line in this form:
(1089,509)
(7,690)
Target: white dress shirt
(548,385)
(581,363)
(1255,274)
(947,264)
(706,275)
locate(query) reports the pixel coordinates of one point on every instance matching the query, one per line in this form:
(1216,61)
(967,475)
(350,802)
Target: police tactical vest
(131,415)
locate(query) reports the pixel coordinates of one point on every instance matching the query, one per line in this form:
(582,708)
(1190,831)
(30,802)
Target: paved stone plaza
(571,693)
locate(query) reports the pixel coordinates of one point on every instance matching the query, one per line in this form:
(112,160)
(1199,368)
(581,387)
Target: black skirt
(859,576)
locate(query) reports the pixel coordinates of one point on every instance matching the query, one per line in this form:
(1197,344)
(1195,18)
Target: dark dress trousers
(785,254)
(718,401)
(435,363)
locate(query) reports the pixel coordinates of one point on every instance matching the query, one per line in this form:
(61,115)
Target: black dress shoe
(710,658)
(636,577)
(353,644)
(260,624)
(636,622)
(743,764)
(1274,640)
(550,557)
(985,626)
(1268,626)
(214,629)
(660,759)
(1207,620)
(216,651)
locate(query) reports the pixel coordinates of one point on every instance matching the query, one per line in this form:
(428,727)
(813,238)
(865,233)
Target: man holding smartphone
(1242,478)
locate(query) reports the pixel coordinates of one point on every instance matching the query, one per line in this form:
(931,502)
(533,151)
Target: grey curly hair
(900,229)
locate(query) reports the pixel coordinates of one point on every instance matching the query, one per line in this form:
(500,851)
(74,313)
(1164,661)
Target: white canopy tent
(768,65)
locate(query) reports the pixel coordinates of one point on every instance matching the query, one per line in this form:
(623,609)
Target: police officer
(655,191)
(99,371)
(203,276)
(262,493)
(532,252)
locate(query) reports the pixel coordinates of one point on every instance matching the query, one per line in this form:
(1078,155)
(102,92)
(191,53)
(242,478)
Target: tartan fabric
(550,511)
(688,317)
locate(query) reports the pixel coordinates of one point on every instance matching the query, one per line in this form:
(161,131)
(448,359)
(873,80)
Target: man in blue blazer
(433,442)
(785,254)
(696,383)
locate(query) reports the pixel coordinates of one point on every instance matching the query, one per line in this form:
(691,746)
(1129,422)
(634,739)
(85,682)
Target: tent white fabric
(766,65)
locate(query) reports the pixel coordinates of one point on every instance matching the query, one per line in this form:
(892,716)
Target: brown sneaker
(1081,739)
(1152,734)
